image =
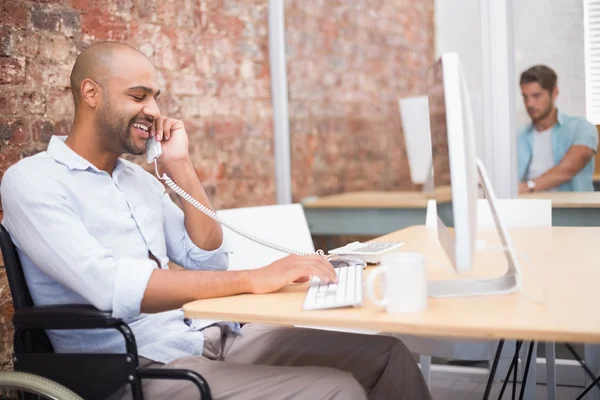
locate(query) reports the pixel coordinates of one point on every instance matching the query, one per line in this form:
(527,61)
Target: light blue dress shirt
(83,237)
(567,132)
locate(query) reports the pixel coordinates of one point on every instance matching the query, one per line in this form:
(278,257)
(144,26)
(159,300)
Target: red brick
(42,130)
(45,18)
(229,127)
(153,10)
(57,49)
(102,26)
(6,43)
(25,45)
(187,85)
(33,102)
(63,127)
(223,23)
(13,131)
(8,101)
(12,70)
(196,129)
(14,14)
(60,103)
(9,155)
(49,75)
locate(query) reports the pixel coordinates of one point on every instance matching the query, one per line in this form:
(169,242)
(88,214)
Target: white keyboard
(346,293)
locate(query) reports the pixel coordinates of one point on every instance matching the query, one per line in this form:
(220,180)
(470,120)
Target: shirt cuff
(131,280)
(197,258)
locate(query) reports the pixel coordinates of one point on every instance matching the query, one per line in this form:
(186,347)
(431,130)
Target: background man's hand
(523,188)
(290,269)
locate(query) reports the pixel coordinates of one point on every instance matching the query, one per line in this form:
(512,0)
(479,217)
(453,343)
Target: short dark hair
(541,74)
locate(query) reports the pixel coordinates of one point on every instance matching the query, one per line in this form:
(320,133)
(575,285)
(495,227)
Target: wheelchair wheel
(22,382)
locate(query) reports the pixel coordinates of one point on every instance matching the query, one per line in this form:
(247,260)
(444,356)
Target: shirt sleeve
(180,248)
(44,226)
(586,135)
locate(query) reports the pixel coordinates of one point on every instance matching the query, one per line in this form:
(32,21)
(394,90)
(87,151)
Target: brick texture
(348,64)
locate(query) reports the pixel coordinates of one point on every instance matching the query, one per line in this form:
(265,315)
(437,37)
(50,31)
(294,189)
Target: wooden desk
(368,213)
(568,313)
(378,213)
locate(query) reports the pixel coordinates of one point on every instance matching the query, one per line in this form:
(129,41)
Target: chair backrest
(284,225)
(35,340)
(516,212)
(14,272)
(513,212)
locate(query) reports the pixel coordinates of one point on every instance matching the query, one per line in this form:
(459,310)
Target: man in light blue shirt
(92,228)
(556,151)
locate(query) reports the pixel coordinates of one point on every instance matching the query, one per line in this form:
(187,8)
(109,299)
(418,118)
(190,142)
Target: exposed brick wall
(348,63)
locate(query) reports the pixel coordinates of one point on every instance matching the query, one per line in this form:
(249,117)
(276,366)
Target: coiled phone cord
(187,197)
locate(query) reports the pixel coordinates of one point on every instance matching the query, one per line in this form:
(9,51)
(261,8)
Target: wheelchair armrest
(69,316)
(178,374)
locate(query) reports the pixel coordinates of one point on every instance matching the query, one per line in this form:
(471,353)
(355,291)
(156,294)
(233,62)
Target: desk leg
(425,362)
(488,387)
(528,392)
(585,367)
(551,370)
(591,355)
(513,365)
(590,387)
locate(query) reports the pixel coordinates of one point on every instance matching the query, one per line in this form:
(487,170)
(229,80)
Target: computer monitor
(455,165)
(414,113)
(453,149)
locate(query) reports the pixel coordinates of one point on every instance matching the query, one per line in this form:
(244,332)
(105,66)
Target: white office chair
(281,224)
(514,213)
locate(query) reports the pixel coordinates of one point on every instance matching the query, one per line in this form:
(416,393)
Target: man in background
(556,151)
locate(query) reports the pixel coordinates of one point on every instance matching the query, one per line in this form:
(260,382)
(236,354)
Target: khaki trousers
(274,362)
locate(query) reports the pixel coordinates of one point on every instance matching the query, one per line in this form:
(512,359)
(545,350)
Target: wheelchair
(89,376)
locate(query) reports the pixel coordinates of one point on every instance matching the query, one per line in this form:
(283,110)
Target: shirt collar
(561,118)
(560,121)
(63,154)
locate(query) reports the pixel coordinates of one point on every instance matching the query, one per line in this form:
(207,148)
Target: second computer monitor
(454,160)
(414,113)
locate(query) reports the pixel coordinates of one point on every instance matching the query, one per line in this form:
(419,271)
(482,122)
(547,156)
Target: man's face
(128,108)
(538,101)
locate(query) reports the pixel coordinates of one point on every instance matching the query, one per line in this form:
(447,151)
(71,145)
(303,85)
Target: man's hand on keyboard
(290,269)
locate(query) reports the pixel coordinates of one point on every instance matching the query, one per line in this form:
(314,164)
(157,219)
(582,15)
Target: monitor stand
(509,282)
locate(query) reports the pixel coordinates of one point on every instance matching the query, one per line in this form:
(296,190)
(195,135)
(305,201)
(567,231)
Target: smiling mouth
(143,130)
(141,127)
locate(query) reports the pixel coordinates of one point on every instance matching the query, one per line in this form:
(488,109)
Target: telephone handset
(154,150)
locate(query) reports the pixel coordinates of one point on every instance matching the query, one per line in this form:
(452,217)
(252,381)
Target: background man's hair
(541,74)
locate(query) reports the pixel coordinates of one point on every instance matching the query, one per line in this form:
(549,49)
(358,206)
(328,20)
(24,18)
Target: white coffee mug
(404,282)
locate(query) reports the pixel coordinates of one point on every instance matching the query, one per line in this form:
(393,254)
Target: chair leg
(425,362)
(551,370)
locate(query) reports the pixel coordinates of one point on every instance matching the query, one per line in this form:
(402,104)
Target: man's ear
(90,92)
(555,93)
